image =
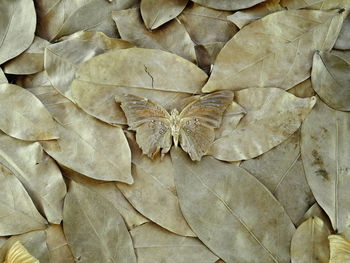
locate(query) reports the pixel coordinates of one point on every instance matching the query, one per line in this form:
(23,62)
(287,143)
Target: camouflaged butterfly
(193,128)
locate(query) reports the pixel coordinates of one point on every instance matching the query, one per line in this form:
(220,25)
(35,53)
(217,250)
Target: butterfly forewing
(150,121)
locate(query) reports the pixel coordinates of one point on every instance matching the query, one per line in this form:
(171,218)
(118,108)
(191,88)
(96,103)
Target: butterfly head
(175,125)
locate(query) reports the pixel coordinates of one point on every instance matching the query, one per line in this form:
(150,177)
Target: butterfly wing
(198,121)
(150,121)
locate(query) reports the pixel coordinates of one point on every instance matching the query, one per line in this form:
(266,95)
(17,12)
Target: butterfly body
(193,128)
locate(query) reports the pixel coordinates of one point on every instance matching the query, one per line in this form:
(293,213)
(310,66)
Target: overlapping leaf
(343,41)
(228,4)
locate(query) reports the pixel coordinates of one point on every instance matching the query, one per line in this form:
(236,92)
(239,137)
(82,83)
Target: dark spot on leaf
(323,173)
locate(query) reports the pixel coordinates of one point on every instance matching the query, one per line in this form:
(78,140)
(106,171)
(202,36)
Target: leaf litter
(274,184)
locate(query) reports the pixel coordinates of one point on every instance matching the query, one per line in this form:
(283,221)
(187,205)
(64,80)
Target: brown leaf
(231,211)
(101,151)
(272,116)
(30,61)
(18,21)
(325,153)
(26,117)
(303,89)
(18,214)
(281,171)
(330,79)
(171,37)
(58,246)
(62,59)
(94,228)
(19,254)
(310,242)
(157,12)
(37,172)
(154,244)
(162,77)
(207,53)
(284,54)
(228,4)
(206,25)
(59,18)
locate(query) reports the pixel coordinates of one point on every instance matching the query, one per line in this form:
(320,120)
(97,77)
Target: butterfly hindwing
(198,121)
(150,121)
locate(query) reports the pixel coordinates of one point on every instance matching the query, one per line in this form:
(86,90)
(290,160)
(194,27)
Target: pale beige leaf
(158,75)
(62,59)
(207,53)
(330,79)
(281,171)
(23,116)
(30,61)
(171,37)
(17,26)
(57,245)
(37,172)
(157,12)
(3,78)
(154,184)
(154,244)
(268,124)
(2,241)
(110,191)
(18,214)
(343,41)
(19,254)
(283,56)
(310,242)
(303,89)
(206,25)
(316,210)
(231,211)
(315,4)
(228,4)
(242,18)
(339,249)
(34,242)
(325,150)
(34,80)
(100,151)
(94,228)
(64,17)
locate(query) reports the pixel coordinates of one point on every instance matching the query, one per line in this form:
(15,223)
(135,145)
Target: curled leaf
(339,249)
(19,254)
(23,116)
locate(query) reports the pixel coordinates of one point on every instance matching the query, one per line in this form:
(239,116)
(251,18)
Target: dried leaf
(94,228)
(34,80)
(154,244)
(207,25)
(154,184)
(160,76)
(30,61)
(171,37)
(17,26)
(3,78)
(303,89)
(284,56)
(310,242)
(207,53)
(61,18)
(281,171)
(34,242)
(316,210)
(235,224)
(343,41)
(19,254)
(110,191)
(62,59)
(339,249)
(268,123)
(157,12)
(242,18)
(18,214)
(24,116)
(2,241)
(57,245)
(330,79)
(314,4)
(228,4)
(325,153)
(37,172)
(100,150)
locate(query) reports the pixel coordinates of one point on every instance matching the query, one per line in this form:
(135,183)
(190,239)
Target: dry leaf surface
(339,249)
(228,4)
(18,254)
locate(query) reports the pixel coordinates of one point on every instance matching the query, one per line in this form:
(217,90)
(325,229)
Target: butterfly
(193,128)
